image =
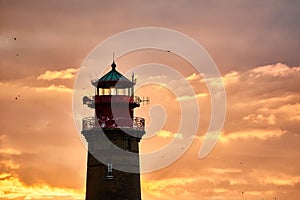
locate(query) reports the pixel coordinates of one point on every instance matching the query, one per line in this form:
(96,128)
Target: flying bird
(17,97)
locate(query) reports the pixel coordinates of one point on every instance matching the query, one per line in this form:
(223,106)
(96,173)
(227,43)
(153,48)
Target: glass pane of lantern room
(120,91)
(106,91)
(129,91)
(100,91)
(113,91)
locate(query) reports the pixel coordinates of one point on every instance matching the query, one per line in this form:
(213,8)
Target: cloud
(13,188)
(273,179)
(164,134)
(194,77)
(45,144)
(162,188)
(10,151)
(260,134)
(62,74)
(36,131)
(5,176)
(263,96)
(256,118)
(258,150)
(186,97)
(168,134)
(231,78)
(55,44)
(256,123)
(57,88)
(10,164)
(224,170)
(276,70)
(279,180)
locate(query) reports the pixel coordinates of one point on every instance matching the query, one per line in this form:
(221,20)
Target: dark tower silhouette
(114,104)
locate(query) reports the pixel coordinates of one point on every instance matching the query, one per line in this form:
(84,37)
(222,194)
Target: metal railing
(139,123)
(90,123)
(137,100)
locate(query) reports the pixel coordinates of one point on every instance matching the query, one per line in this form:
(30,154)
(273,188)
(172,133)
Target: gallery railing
(90,123)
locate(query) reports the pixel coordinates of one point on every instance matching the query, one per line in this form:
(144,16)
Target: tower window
(109,171)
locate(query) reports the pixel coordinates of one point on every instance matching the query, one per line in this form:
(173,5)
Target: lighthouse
(113,126)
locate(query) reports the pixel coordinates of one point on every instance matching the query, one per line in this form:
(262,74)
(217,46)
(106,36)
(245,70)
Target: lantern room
(114,83)
(114,100)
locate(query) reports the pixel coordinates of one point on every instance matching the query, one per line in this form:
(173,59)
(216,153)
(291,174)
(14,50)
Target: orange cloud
(194,77)
(224,170)
(38,142)
(231,78)
(163,188)
(10,151)
(270,119)
(57,88)
(276,70)
(12,188)
(168,134)
(62,74)
(260,134)
(257,120)
(279,179)
(184,98)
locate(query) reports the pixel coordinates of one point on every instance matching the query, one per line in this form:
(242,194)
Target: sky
(255,45)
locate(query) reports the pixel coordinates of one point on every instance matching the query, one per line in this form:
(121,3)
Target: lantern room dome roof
(113,79)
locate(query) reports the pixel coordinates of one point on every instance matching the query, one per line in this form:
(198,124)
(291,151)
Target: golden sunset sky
(255,45)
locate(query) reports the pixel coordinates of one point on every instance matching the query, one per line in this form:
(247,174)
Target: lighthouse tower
(114,103)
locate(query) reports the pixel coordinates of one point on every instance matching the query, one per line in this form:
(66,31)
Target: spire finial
(113,65)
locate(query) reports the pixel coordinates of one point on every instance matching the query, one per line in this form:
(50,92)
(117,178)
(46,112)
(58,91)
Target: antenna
(132,88)
(145,100)
(133,80)
(113,56)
